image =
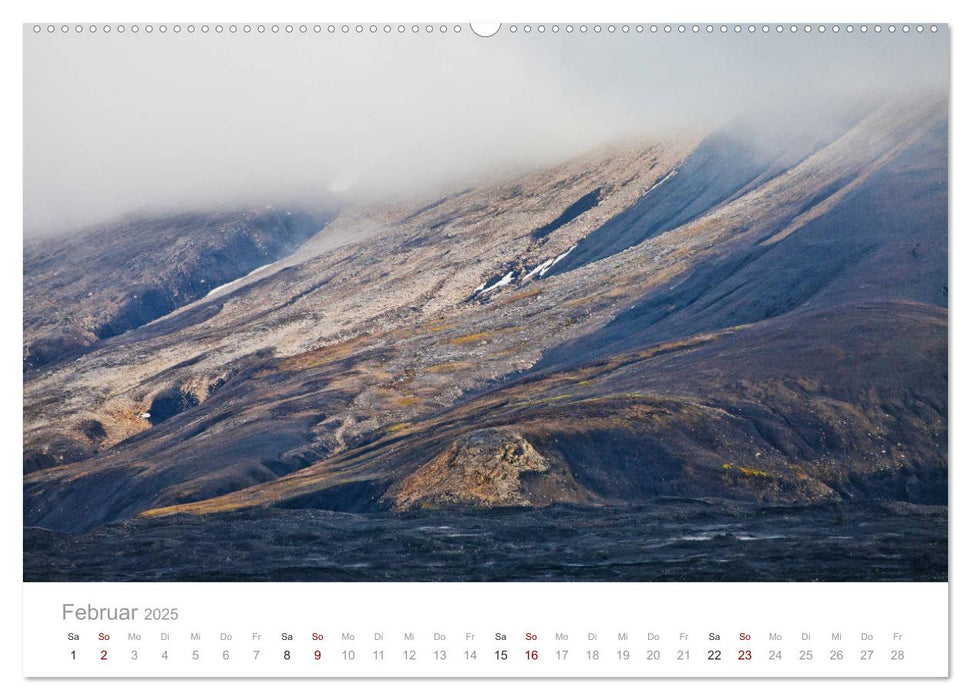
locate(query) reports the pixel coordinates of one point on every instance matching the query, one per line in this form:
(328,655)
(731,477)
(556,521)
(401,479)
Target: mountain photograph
(596,325)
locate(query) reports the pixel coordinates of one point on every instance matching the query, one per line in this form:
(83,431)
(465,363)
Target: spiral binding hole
(513,28)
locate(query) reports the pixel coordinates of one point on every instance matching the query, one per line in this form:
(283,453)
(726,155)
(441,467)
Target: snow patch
(558,258)
(238,279)
(546,265)
(661,181)
(539,269)
(507,278)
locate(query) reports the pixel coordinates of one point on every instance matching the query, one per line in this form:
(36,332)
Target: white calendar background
(486,630)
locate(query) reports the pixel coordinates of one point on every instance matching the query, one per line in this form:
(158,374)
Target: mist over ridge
(115,123)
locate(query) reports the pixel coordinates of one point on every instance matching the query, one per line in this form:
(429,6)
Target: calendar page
(468,350)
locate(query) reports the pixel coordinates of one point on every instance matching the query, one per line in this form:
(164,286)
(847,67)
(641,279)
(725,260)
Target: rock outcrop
(486,469)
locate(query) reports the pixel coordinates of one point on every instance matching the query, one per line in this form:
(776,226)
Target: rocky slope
(707,316)
(105,280)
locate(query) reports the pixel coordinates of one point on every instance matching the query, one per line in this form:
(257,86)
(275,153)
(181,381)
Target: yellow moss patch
(397,427)
(307,361)
(580,302)
(407,400)
(683,344)
(474,337)
(521,295)
(320,356)
(471,338)
(746,471)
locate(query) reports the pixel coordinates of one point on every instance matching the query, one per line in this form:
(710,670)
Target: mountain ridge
(372,375)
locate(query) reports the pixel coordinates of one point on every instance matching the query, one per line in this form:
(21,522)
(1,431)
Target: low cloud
(116,123)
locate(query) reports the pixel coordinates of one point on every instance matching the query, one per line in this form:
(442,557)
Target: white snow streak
(558,258)
(661,181)
(238,279)
(501,283)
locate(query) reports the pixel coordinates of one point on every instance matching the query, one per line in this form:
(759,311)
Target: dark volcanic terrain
(658,540)
(658,323)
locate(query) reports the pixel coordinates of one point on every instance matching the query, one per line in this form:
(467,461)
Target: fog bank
(114,123)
